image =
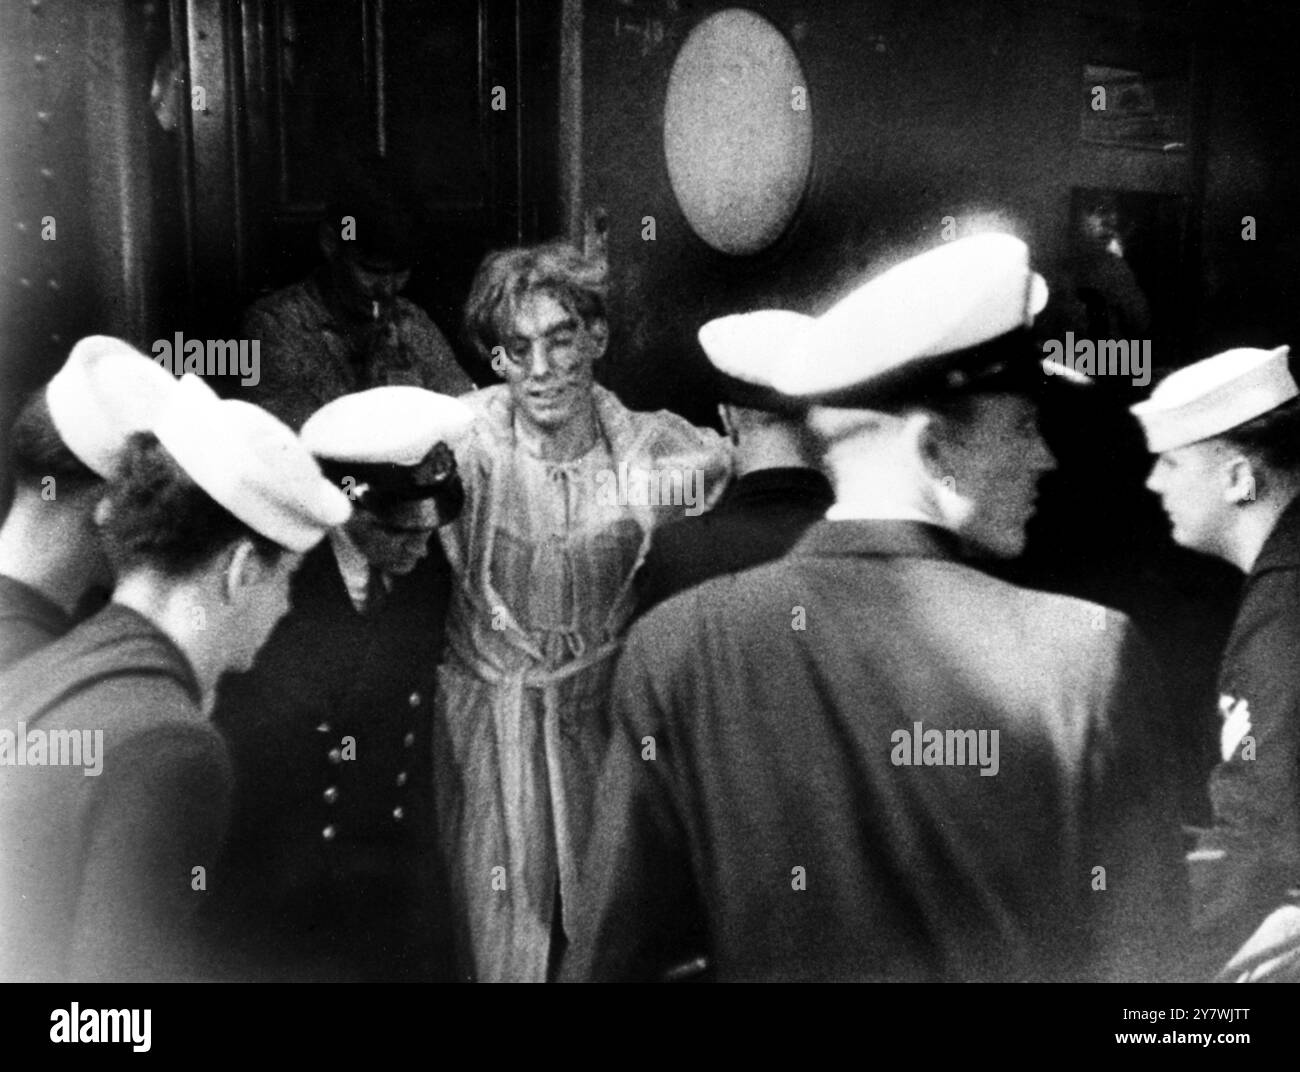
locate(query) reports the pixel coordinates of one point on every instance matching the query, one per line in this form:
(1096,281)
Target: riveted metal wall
(45,280)
(91,241)
(162,161)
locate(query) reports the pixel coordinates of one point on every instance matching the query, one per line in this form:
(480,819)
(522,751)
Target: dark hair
(36,450)
(505,277)
(375,195)
(1272,439)
(158,516)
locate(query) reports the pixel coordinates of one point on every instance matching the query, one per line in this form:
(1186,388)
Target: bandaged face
(550,357)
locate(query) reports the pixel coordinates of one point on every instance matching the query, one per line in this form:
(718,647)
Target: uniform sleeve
(159,816)
(638,909)
(1137,901)
(1244,864)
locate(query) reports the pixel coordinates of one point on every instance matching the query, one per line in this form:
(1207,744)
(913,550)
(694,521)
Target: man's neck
(566,443)
(1253,529)
(179,613)
(45,555)
(759,451)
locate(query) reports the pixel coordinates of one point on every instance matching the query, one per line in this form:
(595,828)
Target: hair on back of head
(1272,439)
(37,451)
(157,516)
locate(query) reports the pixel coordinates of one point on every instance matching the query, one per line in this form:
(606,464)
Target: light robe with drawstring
(543,557)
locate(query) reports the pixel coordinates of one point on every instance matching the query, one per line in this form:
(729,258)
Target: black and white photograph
(656,491)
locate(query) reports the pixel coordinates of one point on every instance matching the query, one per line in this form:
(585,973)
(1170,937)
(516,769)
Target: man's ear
(327,239)
(598,330)
(103,511)
(242,568)
(1242,481)
(932,441)
(728,425)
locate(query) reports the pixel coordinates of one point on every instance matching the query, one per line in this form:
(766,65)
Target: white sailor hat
(385,439)
(744,348)
(104,392)
(252,464)
(1211,397)
(948,318)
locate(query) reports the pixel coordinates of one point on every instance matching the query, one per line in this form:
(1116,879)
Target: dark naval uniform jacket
(28,621)
(803,783)
(1247,861)
(759,517)
(330,872)
(114,797)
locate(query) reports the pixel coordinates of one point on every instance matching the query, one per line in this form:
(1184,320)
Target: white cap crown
(252,464)
(394,425)
(105,392)
(1215,395)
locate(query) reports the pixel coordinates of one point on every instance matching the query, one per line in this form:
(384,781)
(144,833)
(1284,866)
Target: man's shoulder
(412,316)
(716,541)
(1044,626)
(492,415)
(297,299)
(28,621)
(660,437)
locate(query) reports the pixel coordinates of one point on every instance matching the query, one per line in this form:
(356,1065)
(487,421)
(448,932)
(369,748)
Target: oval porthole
(737,131)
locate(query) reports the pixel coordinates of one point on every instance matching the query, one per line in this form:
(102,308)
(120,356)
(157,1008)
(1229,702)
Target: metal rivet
(39,60)
(35,5)
(324,727)
(24,282)
(53,284)
(414,699)
(21,226)
(328,833)
(398,813)
(401,778)
(331,794)
(409,740)
(42,117)
(47,173)
(335,755)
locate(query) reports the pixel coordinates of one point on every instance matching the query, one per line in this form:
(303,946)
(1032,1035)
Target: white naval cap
(745,347)
(1211,397)
(252,464)
(385,426)
(105,392)
(909,320)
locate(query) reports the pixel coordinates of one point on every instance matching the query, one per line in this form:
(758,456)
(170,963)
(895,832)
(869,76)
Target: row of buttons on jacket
(335,755)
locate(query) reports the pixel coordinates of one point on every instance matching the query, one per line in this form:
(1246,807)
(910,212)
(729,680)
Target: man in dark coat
(114,787)
(870,760)
(776,493)
(68,440)
(331,871)
(1226,432)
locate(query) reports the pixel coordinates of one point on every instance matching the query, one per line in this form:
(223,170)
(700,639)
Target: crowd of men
(391,688)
